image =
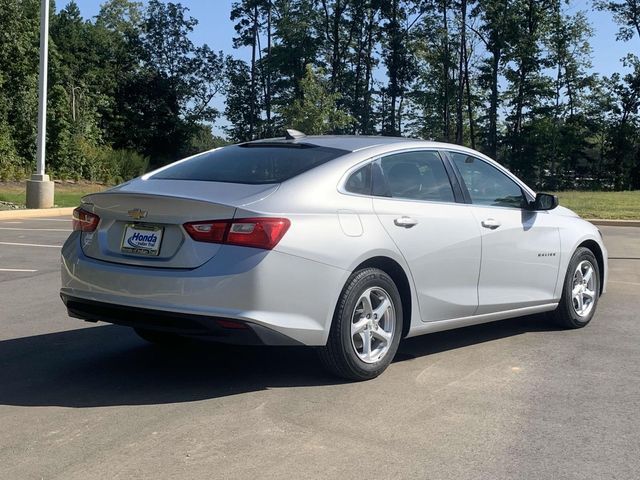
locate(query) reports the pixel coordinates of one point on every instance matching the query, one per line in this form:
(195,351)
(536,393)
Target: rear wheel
(366,327)
(580,292)
(156,337)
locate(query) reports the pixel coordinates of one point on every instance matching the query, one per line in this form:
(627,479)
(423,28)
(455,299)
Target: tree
(248,15)
(573,128)
(624,139)
(242,119)
(528,86)
(316,112)
(626,13)
(496,33)
(18,84)
(170,95)
(399,61)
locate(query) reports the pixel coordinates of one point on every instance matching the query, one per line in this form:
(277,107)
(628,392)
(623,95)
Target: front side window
(486,184)
(414,175)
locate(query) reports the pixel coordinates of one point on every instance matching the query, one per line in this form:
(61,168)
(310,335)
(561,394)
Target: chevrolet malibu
(347,244)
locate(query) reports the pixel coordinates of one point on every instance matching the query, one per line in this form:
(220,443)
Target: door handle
(491,223)
(406,222)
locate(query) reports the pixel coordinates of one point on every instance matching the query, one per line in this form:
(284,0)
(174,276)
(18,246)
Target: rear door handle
(406,222)
(491,223)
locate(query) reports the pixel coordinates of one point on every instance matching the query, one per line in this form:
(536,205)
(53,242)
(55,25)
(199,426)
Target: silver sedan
(347,244)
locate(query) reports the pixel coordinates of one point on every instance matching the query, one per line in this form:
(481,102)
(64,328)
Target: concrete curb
(614,223)
(34,213)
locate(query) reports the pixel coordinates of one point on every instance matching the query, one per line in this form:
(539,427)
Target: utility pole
(40,187)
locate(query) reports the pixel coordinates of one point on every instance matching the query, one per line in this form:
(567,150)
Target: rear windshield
(251,163)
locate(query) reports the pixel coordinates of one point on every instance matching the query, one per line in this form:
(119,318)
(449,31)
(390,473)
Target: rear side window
(360,181)
(416,176)
(253,163)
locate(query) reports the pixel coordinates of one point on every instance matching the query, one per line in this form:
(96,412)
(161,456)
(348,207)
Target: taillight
(257,232)
(84,221)
(212,231)
(261,232)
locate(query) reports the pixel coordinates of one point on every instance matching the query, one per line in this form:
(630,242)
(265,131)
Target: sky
(216,29)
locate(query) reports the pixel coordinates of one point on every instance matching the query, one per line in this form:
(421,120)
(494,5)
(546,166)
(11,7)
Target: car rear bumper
(281,298)
(215,328)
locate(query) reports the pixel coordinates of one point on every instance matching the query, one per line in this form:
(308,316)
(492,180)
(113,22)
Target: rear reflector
(260,232)
(84,221)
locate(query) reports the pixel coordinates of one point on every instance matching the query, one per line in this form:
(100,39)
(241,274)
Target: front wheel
(581,291)
(366,328)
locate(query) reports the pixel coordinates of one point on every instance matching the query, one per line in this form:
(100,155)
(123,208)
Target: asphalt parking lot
(516,399)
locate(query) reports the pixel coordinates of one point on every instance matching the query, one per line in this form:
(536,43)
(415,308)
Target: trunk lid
(160,208)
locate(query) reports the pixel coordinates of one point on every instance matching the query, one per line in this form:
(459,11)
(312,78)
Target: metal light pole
(40,187)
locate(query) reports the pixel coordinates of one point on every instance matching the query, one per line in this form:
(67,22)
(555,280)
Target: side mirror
(544,201)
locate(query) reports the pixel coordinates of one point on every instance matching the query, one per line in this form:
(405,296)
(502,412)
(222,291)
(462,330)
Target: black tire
(340,355)
(157,338)
(566,315)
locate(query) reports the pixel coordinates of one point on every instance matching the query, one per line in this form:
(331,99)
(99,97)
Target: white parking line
(51,219)
(38,229)
(17,270)
(9,222)
(30,245)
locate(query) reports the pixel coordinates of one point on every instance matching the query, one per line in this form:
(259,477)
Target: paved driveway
(515,399)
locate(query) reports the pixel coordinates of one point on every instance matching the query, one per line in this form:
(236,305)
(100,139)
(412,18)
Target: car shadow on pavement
(110,365)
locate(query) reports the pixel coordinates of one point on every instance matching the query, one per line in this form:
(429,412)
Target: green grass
(605,205)
(65,195)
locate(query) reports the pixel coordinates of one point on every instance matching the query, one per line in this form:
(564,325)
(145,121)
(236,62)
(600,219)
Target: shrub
(116,166)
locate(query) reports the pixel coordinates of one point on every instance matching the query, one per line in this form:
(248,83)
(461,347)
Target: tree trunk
(254,42)
(472,129)
(267,97)
(445,73)
(393,68)
(335,60)
(357,90)
(365,126)
(493,103)
(461,73)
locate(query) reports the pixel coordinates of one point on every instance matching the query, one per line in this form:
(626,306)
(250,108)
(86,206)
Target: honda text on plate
(347,244)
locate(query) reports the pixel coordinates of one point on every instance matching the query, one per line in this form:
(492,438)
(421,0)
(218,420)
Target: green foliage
(241,102)
(626,14)
(512,78)
(316,112)
(124,90)
(115,166)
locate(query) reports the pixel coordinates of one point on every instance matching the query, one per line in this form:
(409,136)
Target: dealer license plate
(142,239)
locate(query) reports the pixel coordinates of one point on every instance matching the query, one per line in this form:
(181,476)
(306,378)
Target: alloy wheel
(583,292)
(373,324)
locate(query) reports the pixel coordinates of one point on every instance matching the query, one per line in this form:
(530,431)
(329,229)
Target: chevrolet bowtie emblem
(137,213)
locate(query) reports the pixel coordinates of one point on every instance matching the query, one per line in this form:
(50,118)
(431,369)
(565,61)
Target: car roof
(349,143)
(354,143)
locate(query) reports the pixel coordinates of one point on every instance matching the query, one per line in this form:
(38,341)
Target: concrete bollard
(40,192)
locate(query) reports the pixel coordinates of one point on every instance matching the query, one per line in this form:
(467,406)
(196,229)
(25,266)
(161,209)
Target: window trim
(499,168)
